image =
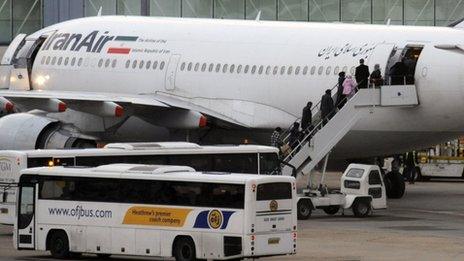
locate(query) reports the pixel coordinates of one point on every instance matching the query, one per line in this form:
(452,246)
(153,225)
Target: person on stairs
(340,96)
(327,107)
(349,87)
(307,118)
(362,75)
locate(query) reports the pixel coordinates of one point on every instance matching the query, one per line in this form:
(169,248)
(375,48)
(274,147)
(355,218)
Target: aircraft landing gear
(394,184)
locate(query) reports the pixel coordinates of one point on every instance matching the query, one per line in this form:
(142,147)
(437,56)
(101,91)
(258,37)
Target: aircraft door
(170,81)
(6,64)
(26,217)
(381,55)
(12,49)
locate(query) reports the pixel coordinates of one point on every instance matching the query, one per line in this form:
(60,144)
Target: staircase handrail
(286,134)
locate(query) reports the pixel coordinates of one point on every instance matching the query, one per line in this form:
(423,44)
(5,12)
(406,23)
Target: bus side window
(200,162)
(237,163)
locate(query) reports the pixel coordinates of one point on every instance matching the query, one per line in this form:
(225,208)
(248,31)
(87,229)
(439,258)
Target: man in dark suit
(362,75)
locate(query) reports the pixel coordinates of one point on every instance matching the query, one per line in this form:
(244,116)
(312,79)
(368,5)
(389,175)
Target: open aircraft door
(381,55)
(25,225)
(170,81)
(6,64)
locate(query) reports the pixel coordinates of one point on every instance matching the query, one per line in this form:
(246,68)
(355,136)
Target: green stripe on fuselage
(126,38)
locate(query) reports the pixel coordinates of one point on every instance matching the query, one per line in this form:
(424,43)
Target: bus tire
(304,209)
(395,186)
(59,244)
(361,208)
(184,249)
(331,210)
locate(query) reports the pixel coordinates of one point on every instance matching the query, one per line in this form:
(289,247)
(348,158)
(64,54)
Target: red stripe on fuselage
(119,50)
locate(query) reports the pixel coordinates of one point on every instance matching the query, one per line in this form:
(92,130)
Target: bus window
(269,163)
(236,163)
(274,191)
(38,162)
(82,189)
(200,162)
(63,161)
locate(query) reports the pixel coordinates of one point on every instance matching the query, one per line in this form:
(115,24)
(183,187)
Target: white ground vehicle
(442,167)
(151,210)
(251,159)
(362,189)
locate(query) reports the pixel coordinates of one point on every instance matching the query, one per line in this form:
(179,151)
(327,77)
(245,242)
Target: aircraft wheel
(394,184)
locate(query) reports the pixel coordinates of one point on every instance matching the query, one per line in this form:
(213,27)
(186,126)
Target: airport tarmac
(426,224)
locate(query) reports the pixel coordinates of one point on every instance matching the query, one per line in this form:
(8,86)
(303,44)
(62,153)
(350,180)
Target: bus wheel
(361,208)
(184,249)
(304,209)
(331,210)
(59,244)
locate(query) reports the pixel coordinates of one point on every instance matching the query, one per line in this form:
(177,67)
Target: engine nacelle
(22,131)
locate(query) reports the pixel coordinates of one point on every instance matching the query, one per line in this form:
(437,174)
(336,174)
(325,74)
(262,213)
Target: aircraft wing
(97,103)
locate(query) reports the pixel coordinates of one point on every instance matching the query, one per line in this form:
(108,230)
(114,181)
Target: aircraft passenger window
(352,70)
(313,70)
(182,67)
(148,65)
(218,67)
(210,68)
(232,68)
(113,64)
(127,63)
(155,64)
(345,69)
(60,60)
(203,67)
(134,64)
(268,70)
(305,70)
(297,70)
(327,71)
(73,61)
(261,68)
(282,70)
(53,60)
(162,65)
(43,60)
(336,70)
(247,67)
(290,70)
(141,64)
(189,67)
(253,69)
(276,69)
(239,68)
(321,69)
(66,60)
(224,68)
(100,63)
(79,63)
(197,65)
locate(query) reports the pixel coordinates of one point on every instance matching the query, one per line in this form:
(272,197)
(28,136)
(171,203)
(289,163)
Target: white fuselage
(262,97)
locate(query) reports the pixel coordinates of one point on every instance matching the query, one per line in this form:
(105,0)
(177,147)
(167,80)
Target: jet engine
(22,131)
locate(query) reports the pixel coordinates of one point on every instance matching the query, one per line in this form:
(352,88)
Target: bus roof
(150,148)
(149,172)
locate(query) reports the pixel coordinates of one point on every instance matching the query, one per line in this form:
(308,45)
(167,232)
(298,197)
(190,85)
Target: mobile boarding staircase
(318,141)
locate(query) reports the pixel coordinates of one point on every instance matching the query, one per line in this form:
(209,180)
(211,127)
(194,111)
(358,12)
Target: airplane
(125,78)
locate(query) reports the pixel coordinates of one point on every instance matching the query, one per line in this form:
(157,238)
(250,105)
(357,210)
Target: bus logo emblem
(273,206)
(215,219)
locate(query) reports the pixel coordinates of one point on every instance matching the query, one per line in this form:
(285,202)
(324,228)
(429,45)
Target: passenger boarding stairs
(318,142)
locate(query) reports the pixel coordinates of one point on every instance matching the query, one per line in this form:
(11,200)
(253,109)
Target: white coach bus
(253,159)
(148,210)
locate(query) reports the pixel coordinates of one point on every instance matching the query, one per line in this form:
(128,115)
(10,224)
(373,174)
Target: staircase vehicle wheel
(394,184)
(304,209)
(361,208)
